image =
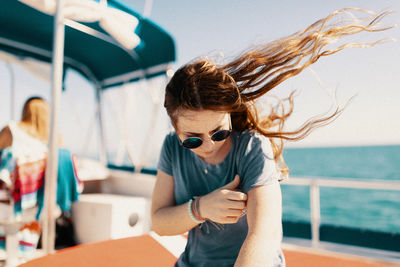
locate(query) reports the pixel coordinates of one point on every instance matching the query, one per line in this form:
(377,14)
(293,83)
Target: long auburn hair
(36,113)
(233,87)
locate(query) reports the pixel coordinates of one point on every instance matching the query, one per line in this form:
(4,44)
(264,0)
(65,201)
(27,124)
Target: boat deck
(152,250)
(301,256)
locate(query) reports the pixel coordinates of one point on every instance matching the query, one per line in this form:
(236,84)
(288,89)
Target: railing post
(315,212)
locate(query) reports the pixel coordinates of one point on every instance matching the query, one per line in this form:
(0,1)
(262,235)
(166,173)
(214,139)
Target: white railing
(316,183)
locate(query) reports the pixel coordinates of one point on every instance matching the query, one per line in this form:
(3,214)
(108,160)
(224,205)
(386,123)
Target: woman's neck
(221,154)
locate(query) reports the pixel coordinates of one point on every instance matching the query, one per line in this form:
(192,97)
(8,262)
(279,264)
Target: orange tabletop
(138,251)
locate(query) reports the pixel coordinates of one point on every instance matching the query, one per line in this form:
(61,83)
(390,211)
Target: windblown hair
(233,87)
(36,113)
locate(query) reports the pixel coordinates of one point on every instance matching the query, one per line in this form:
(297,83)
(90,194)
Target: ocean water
(377,210)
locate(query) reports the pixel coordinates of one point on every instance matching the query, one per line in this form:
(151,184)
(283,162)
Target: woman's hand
(224,205)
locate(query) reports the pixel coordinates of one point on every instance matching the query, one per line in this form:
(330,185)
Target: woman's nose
(209,143)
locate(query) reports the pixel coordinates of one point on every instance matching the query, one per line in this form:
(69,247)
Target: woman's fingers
(233,213)
(233,204)
(230,220)
(234,195)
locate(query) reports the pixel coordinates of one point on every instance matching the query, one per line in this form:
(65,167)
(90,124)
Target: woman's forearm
(256,251)
(173,220)
(264,209)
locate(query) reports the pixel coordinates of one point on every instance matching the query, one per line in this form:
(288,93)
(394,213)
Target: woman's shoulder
(5,130)
(251,136)
(5,137)
(171,142)
(8,127)
(255,160)
(171,138)
(250,141)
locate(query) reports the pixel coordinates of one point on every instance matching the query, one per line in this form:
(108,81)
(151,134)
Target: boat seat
(22,199)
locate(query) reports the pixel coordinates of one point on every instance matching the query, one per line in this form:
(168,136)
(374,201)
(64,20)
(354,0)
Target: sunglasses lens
(221,135)
(192,142)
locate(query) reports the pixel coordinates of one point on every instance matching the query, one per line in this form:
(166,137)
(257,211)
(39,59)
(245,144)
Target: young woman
(219,172)
(32,131)
(23,156)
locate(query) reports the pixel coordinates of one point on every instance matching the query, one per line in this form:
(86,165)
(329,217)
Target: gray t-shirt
(251,157)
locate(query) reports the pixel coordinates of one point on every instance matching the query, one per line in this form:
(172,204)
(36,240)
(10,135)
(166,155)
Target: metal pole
(148,5)
(50,190)
(12,85)
(315,213)
(103,152)
(11,230)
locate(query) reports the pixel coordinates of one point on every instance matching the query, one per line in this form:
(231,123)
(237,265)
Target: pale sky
(227,27)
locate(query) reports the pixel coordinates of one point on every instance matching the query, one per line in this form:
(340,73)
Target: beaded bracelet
(196,209)
(191,213)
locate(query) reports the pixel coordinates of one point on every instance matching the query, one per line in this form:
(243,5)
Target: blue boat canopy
(28,32)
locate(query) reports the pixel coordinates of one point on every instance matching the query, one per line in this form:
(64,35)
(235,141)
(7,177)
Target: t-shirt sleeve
(257,166)
(165,160)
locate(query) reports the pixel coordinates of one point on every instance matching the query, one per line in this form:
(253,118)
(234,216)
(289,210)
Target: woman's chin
(206,155)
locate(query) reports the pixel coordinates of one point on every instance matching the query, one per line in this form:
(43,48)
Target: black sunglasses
(195,142)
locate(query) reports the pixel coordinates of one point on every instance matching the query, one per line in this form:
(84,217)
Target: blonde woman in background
(23,147)
(32,131)
(23,156)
